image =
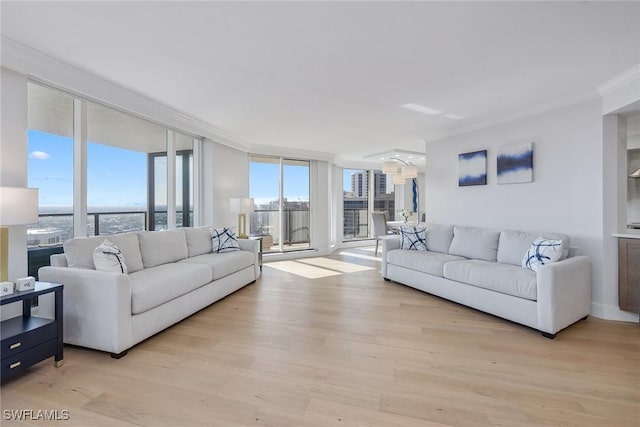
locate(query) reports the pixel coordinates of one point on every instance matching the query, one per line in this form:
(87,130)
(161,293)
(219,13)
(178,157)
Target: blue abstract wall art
(472,168)
(515,163)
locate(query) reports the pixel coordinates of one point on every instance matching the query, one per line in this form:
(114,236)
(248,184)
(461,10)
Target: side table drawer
(48,330)
(17,363)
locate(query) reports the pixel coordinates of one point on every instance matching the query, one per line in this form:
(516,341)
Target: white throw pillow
(224,240)
(542,252)
(413,238)
(107,257)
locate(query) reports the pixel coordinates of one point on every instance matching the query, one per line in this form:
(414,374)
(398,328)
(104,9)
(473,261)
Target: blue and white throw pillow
(108,257)
(542,251)
(413,237)
(224,240)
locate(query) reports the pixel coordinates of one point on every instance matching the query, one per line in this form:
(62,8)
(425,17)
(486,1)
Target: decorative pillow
(107,257)
(413,237)
(542,252)
(224,240)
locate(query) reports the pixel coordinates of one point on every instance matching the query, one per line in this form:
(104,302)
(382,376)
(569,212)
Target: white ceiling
(331,76)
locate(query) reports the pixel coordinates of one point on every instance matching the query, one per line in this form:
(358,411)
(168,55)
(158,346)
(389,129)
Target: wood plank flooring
(347,349)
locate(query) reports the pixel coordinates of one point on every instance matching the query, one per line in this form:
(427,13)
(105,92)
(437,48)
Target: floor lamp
(242,206)
(18,206)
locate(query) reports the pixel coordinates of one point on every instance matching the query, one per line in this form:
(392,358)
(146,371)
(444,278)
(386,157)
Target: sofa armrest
(97,307)
(252,245)
(564,293)
(388,243)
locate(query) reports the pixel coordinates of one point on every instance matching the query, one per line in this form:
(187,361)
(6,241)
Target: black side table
(27,340)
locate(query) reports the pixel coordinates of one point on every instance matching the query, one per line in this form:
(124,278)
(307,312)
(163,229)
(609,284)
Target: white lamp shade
(18,206)
(390,167)
(241,205)
(409,171)
(396,179)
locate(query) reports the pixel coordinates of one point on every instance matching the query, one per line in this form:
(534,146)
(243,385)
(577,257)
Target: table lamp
(18,206)
(242,206)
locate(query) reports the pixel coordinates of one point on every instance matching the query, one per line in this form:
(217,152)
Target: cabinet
(629,274)
(27,340)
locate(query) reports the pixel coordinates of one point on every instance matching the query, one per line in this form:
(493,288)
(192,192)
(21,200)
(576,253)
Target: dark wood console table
(27,340)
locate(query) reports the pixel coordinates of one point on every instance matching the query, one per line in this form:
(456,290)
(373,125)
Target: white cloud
(39,155)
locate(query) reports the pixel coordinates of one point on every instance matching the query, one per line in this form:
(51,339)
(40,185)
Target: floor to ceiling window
(359,195)
(280,189)
(184,180)
(117,146)
(122,161)
(158,180)
(355,204)
(50,164)
(384,196)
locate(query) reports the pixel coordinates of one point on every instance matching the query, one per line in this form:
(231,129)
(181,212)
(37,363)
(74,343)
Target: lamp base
(4,254)
(242,226)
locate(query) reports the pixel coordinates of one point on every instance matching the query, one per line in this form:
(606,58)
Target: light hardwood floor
(347,349)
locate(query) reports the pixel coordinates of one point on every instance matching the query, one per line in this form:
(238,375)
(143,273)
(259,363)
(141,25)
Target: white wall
(225,176)
(13,166)
(566,195)
(321,183)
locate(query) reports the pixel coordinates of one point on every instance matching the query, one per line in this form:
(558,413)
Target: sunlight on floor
(300,269)
(344,267)
(355,255)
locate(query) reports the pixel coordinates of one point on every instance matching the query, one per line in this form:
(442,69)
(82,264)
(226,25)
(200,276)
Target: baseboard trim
(612,312)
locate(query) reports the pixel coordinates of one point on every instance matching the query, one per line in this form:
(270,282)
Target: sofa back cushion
(475,243)
(514,244)
(439,237)
(162,247)
(198,240)
(79,251)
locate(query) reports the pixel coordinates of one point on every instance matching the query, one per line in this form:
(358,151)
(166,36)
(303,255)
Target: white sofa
(481,268)
(171,275)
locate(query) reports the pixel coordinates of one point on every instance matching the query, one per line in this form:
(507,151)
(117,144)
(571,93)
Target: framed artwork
(515,163)
(472,168)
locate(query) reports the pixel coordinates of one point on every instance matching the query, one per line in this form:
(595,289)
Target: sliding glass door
(359,196)
(280,189)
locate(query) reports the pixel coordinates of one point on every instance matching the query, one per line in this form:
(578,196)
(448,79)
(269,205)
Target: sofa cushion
(198,240)
(475,243)
(514,244)
(424,261)
(223,264)
(224,240)
(79,251)
(503,278)
(154,286)
(162,247)
(542,252)
(108,257)
(439,237)
(413,237)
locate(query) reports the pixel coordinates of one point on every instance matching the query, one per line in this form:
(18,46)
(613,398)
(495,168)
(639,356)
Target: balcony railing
(54,228)
(296,223)
(356,224)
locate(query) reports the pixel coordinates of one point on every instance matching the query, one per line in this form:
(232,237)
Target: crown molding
(296,153)
(45,69)
(540,109)
(356,164)
(620,80)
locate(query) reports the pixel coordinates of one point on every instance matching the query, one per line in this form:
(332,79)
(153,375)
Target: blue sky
(264,182)
(346,178)
(118,177)
(115,177)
